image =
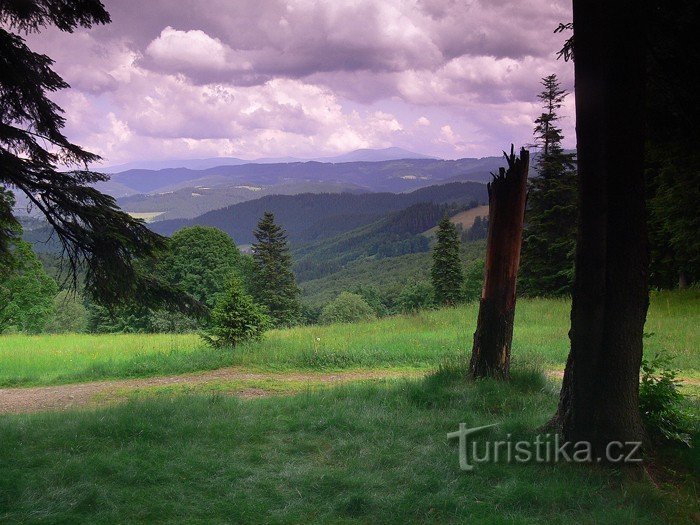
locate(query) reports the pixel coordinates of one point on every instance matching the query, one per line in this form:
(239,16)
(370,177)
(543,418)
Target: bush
(26,292)
(166,321)
(347,308)
(660,402)
(70,314)
(236,318)
(415,297)
(374,298)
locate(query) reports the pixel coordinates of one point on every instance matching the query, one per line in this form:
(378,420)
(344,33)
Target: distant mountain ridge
(388,175)
(367,155)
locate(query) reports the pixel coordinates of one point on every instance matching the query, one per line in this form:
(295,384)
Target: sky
(307,78)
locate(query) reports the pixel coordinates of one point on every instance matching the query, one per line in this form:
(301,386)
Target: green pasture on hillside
(420,341)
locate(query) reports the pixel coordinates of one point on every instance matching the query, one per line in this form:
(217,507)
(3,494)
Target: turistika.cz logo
(544,448)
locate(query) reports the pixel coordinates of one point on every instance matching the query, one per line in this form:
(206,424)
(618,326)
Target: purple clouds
(306,78)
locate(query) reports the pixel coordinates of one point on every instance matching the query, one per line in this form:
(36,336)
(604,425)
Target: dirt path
(62,397)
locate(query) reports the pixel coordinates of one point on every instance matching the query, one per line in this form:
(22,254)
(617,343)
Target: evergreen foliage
(549,240)
(473,280)
(26,292)
(273,284)
(672,154)
(479,230)
(39,161)
(347,308)
(446,273)
(236,318)
(674,221)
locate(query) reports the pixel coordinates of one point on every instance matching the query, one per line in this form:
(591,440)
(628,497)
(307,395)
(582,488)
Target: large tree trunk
(494,328)
(599,396)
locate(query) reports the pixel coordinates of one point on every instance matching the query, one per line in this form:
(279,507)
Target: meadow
(416,342)
(358,453)
(373,451)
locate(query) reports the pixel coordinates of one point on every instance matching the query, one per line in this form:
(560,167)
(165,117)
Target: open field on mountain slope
(412,342)
(465,218)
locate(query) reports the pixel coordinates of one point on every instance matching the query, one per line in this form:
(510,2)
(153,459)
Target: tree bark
(600,392)
(494,328)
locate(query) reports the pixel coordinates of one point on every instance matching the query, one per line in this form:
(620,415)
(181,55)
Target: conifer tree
(39,161)
(549,239)
(446,273)
(236,318)
(273,284)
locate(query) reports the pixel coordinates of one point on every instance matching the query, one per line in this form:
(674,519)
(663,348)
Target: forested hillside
(189,202)
(388,276)
(398,233)
(309,217)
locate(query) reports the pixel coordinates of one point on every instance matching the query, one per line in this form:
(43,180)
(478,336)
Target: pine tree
(446,273)
(236,318)
(273,284)
(549,239)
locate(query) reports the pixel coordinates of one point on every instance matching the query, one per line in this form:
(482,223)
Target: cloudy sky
(257,78)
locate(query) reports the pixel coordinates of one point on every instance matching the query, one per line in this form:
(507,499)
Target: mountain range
(182,193)
(368,155)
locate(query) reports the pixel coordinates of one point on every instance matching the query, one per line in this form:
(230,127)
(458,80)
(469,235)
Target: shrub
(70,314)
(374,298)
(236,318)
(415,297)
(347,308)
(166,321)
(660,402)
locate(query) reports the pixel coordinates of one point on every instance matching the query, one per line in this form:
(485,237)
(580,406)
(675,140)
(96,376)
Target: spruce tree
(549,239)
(236,318)
(446,273)
(39,161)
(273,283)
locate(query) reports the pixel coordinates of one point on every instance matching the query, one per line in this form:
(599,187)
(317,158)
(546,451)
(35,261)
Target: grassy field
(419,341)
(367,453)
(374,451)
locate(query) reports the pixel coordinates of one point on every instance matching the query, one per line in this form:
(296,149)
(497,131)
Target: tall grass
(420,341)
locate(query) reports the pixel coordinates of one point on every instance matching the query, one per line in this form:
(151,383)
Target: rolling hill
(389,175)
(190,202)
(310,217)
(370,155)
(387,275)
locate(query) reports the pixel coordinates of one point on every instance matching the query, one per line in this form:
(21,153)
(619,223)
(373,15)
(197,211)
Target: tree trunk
(682,280)
(494,328)
(600,393)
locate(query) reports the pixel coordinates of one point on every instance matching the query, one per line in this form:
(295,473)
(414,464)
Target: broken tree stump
(494,329)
